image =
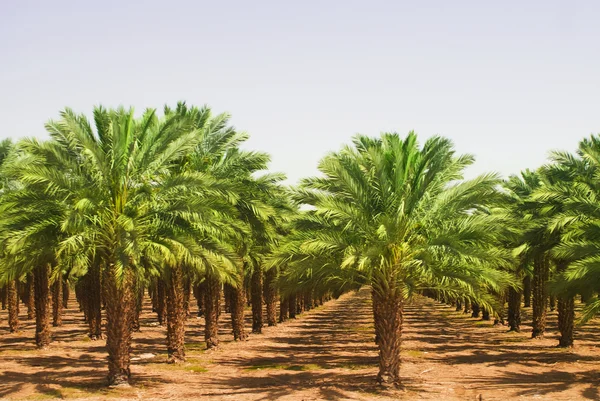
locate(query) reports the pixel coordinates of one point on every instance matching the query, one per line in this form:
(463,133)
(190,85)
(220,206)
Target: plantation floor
(327,353)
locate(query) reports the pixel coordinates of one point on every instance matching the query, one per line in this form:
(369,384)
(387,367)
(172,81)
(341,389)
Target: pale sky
(506,80)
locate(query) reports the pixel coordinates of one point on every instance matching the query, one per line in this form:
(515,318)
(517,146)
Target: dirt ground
(325,354)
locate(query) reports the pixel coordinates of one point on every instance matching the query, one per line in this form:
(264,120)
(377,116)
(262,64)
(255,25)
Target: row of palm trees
(173,205)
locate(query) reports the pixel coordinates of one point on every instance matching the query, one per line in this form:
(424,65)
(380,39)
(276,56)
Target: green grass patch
(196,347)
(274,366)
(413,353)
(483,323)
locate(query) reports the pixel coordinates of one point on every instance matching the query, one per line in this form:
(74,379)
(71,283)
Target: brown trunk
(257,301)
(540,296)
(485,314)
(458,305)
(199,290)
(527,291)
(81,297)
(211,310)
(13,306)
(42,306)
(307,301)
(160,302)
(152,291)
(566,317)
(566,313)
(552,303)
(475,308)
(93,304)
(4,296)
(283,309)
(30,297)
(270,296)
(388,310)
(138,304)
(119,311)
(514,310)
(227,297)
(238,302)
(292,306)
(57,302)
(176,314)
(65,294)
(186,296)
(467,306)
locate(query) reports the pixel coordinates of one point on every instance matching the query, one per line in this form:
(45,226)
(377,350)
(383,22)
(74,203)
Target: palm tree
(572,204)
(107,184)
(399,216)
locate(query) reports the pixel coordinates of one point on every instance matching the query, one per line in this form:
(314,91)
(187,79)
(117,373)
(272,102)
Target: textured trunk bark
(13,306)
(270,296)
(211,308)
(257,301)
(475,308)
(566,317)
(458,305)
(138,304)
(485,314)
(283,309)
(388,310)
(514,310)
(176,314)
(42,306)
(81,297)
(57,304)
(152,290)
(540,296)
(119,310)
(66,291)
(30,297)
(93,303)
(4,296)
(552,303)
(199,290)
(292,306)
(467,306)
(238,302)
(566,313)
(227,297)
(307,302)
(160,301)
(527,291)
(376,317)
(186,296)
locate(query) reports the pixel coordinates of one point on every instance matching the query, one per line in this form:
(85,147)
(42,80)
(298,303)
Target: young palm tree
(400,217)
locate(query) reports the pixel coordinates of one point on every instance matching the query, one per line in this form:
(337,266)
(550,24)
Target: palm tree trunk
(527,291)
(119,311)
(176,313)
(485,314)
(227,298)
(475,308)
(458,305)
(283,309)
(292,306)
(57,302)
(566,313)
(13,306)
(199,290)
(514,310)
(257,301)
(211,308)
(467,306)
(138,304)
(4,296)
(186,296)
(552,303)
(238,302)
(388,312)
(270,296)
(566,317)
(93,304)
(66,292)
(30,297)
(307,302)
(42,306)
(540,296)
(160,302)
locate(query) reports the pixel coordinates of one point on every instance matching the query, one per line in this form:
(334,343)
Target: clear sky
(506,80)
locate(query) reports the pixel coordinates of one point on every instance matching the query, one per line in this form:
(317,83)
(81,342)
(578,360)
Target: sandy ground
(325,354)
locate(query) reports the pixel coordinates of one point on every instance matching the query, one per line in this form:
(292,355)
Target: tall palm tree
(400,217)
(106,182)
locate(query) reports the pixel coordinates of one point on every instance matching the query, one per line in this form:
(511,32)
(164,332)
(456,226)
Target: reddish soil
(327,353)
